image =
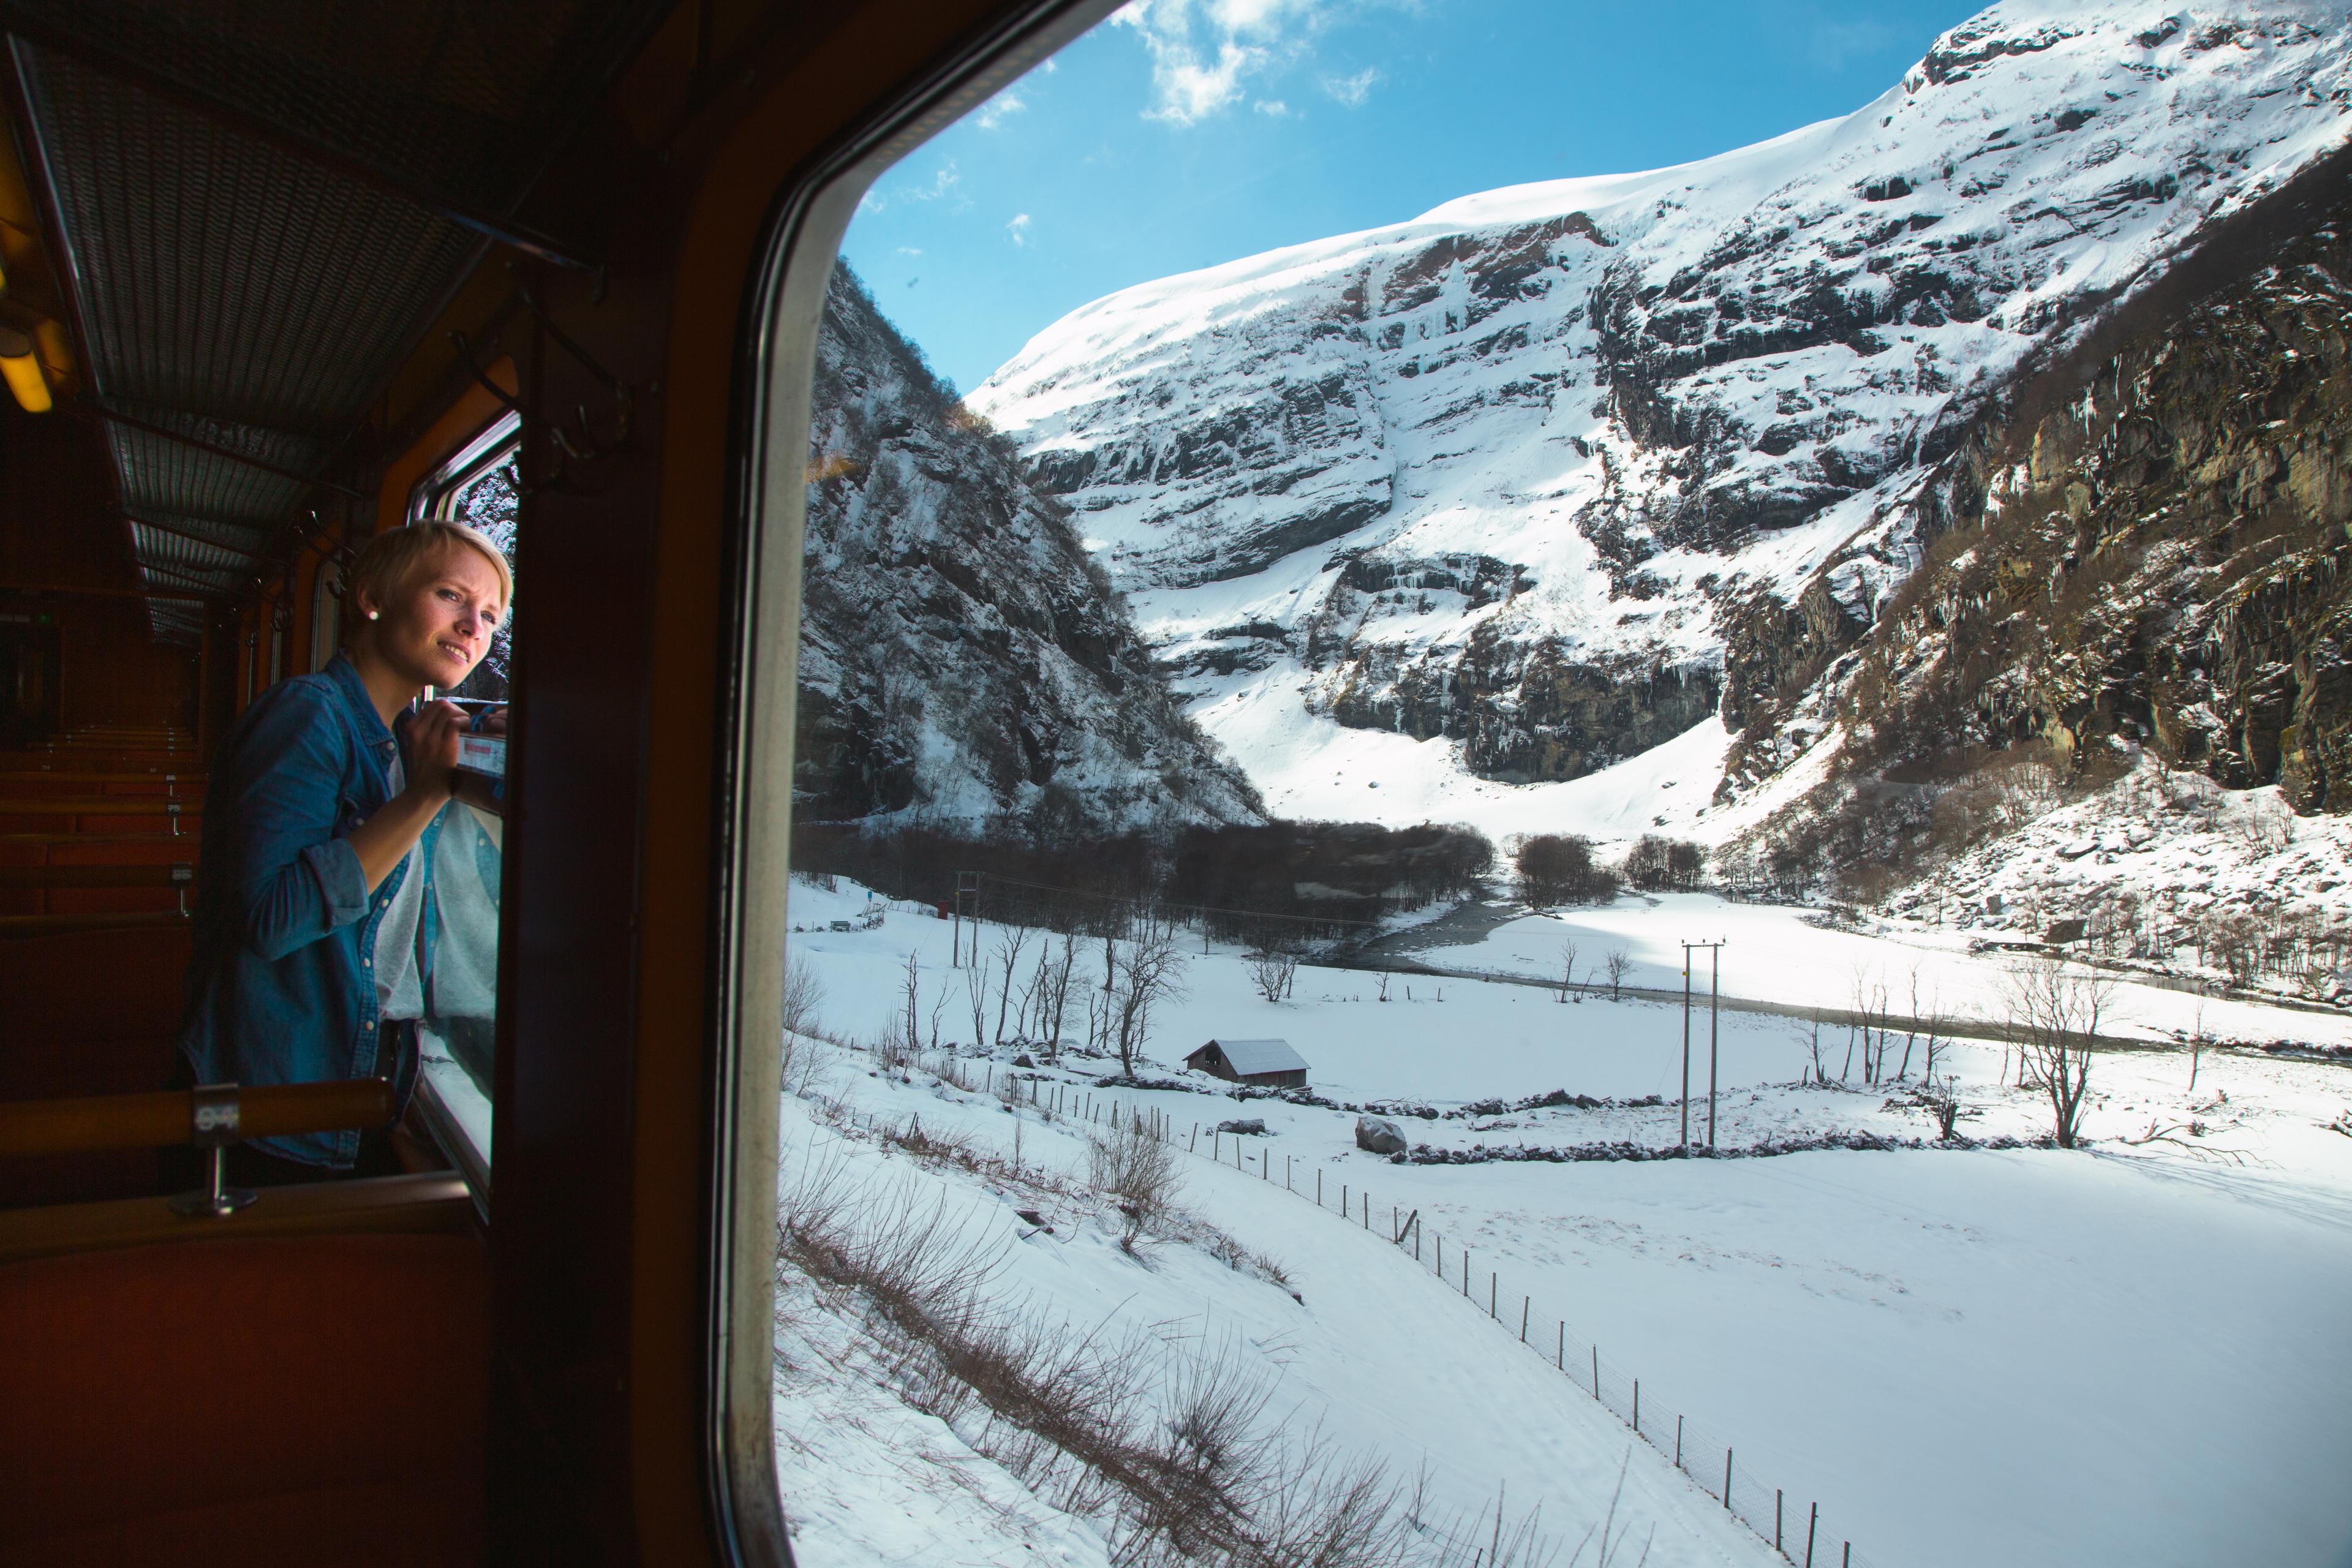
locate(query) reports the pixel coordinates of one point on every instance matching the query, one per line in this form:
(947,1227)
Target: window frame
(772,414)
(433,497)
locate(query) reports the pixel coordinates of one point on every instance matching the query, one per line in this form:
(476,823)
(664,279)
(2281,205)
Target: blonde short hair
(385,563)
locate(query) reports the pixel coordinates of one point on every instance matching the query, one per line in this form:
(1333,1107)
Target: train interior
(278,277)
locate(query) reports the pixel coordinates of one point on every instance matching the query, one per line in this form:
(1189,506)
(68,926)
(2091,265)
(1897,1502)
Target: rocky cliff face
(960,657)
(1554,472)
(2154,547)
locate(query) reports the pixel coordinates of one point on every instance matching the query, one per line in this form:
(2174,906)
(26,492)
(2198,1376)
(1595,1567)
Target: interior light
(23,372)
(53,345)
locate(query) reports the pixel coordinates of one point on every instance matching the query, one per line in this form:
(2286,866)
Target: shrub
(1558,868)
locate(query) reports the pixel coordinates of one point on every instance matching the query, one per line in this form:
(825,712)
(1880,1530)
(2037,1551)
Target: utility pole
(1714,1015)
(1715,994)
(1685,1096)
(967,882)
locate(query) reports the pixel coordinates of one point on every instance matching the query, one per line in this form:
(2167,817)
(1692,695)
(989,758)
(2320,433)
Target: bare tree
(1274,973)
(1942,1097)
(975,992)
(1132,1166)
(1911,1033)
(803,997)
(1870,1011)
(2055,1010)
(1938,1035)
(2195,1045)
(909,992)
(1567,969)
(1099,1008)
(1148,970)
(1619,964)
(1010,941)
(1056,999)
(803,994)
(1029,1020)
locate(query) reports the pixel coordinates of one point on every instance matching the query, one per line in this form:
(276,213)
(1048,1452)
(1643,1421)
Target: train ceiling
(258,207)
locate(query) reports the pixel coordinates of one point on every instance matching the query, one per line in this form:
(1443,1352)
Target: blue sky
(1185,132)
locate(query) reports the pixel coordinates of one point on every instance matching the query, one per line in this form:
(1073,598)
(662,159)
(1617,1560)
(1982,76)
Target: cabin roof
(1249,1058)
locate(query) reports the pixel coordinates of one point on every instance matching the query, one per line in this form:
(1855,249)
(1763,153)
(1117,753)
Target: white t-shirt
(399,992)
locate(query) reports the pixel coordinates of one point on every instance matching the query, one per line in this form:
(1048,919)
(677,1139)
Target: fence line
(1707,1460)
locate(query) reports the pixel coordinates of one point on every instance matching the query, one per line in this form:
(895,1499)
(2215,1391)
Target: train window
(478,487)
(1320,595)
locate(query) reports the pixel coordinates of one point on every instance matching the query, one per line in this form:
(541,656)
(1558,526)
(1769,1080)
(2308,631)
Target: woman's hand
(392,831)
(432,738)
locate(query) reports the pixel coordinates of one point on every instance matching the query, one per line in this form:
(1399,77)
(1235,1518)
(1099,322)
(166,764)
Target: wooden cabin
(1265,1064)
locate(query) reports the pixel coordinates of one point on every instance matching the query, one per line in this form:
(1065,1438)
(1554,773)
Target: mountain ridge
(1531,482)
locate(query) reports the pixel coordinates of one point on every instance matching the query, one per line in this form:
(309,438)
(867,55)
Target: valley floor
(2124,1354)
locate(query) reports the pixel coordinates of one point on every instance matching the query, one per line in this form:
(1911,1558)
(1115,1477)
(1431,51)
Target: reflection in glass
(480,489)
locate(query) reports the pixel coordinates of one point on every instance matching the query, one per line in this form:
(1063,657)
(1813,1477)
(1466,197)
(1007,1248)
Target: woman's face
(440,626)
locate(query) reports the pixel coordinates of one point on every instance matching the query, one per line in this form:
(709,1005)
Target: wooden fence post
(1523,1318)
(1726,1488)
(1811,1525)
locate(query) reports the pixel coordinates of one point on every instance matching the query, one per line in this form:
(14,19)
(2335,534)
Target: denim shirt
(282,986)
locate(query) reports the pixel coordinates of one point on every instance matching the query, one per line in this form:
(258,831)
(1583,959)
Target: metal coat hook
(466,357)
(563,340)
(579,439)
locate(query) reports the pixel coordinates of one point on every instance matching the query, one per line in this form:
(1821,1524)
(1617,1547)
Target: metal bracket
(214,1119)
(474,367)
(589,445)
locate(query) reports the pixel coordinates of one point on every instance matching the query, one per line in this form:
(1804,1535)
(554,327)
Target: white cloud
(1018,229)
(1352,90)
(1272,107)
(1204,52)
(943,184)
(911,250)
(997,110)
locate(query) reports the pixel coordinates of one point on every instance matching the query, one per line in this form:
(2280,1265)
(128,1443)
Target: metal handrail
(205,1116)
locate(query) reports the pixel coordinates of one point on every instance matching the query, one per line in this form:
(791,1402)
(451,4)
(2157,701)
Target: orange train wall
(66,554)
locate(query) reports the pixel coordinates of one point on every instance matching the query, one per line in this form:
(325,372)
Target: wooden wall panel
(65,552)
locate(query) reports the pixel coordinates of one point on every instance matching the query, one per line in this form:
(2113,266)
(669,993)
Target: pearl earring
(371,614)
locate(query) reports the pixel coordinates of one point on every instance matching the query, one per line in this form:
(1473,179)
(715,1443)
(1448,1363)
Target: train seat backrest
(264,1401)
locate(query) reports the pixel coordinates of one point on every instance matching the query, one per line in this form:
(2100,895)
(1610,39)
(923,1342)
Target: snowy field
(1777,954)
(2126,1354)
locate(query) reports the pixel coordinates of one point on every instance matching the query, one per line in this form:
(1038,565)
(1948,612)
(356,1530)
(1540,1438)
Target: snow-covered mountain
(1557,473)
(960,657)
